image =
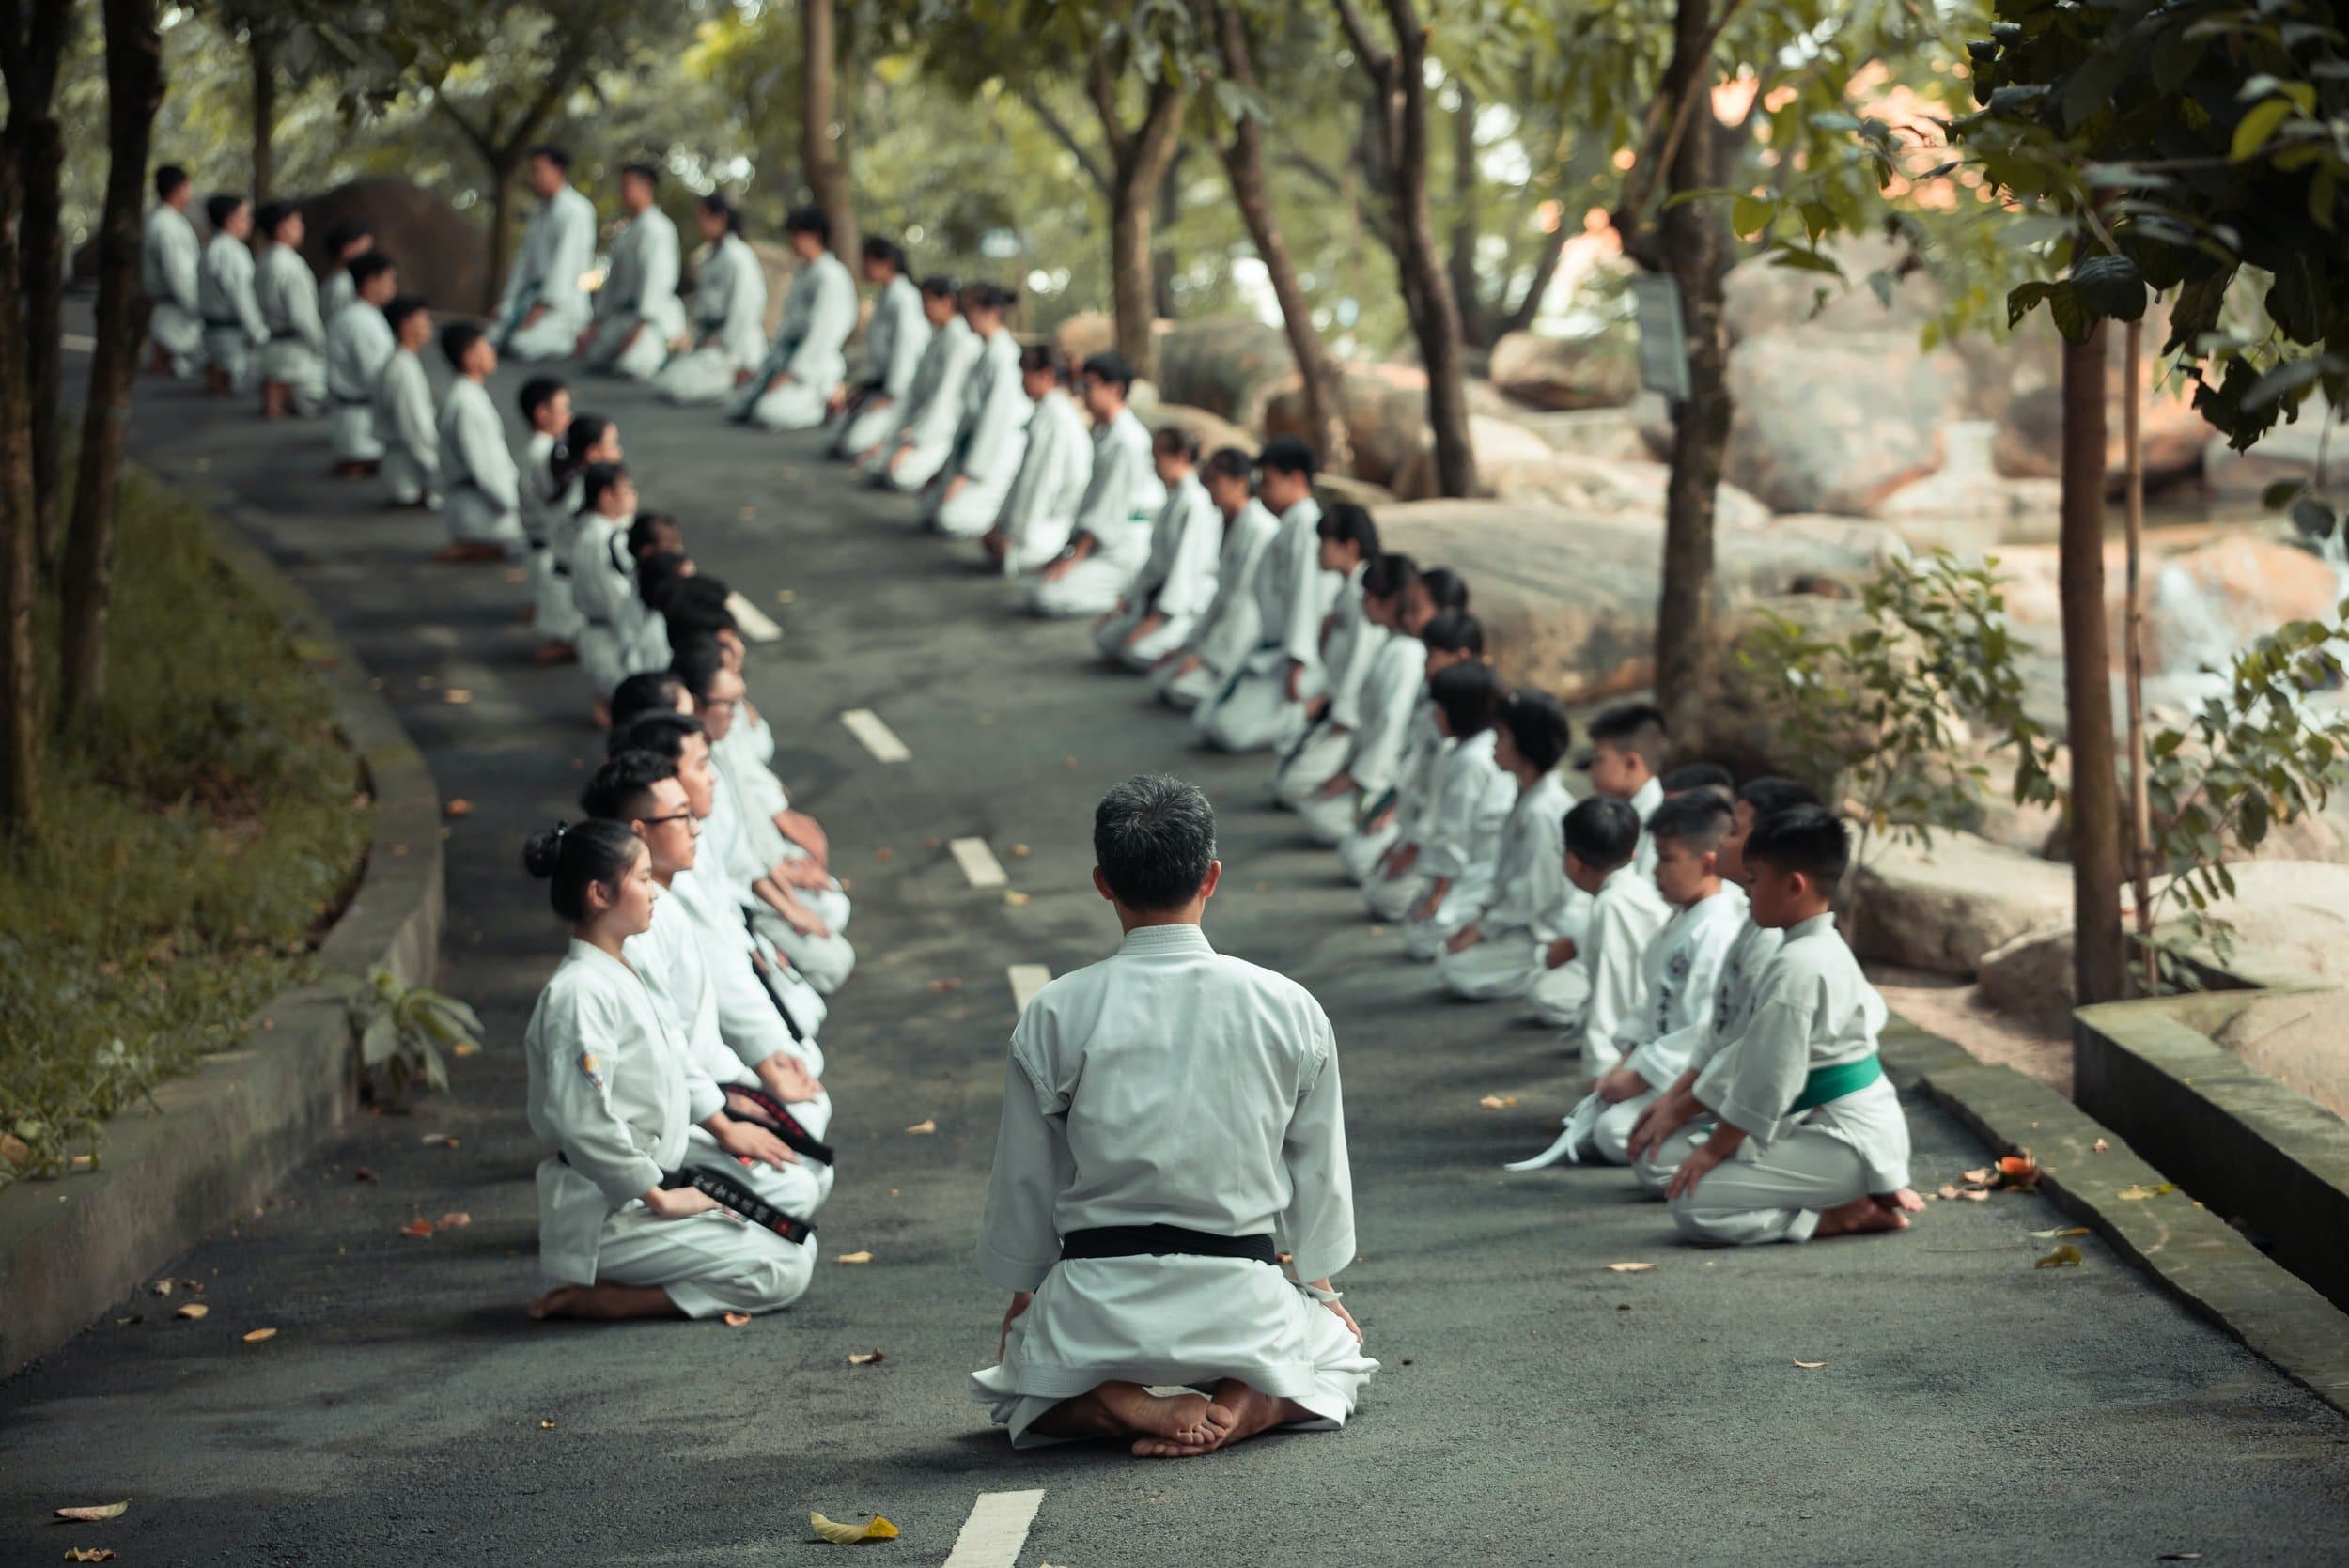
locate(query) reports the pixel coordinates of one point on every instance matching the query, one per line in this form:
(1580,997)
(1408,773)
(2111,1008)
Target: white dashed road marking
(1026,980)
(751,621)
(997,1528)
(879,737)
(978,862)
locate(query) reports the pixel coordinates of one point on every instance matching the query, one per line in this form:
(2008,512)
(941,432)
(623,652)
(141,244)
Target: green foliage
(207,823)
(401,1031)
(1896,715)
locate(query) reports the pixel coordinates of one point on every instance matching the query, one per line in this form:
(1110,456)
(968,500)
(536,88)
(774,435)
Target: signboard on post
(1664,338)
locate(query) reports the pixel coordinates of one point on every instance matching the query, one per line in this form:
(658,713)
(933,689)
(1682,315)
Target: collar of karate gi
(1811,928)
(1165,938)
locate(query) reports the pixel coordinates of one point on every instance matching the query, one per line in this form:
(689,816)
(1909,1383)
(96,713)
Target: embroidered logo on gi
(1677,966)
(591,1069)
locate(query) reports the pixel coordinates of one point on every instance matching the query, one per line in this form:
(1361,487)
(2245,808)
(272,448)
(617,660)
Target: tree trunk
(1436,321)
(135,90)
(503,163)
(1467,219)
(264,52)
(1170,211)
(1528,309)
(1138,160)
(20,683)
(40,152)
(2100,966)
(819,157)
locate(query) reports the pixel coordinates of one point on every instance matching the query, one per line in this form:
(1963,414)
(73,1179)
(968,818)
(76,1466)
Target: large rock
(1836,423)
(2019,383)
(1943,907)
(1597,485)
(1085,333)
(1497,443)
(442,254)
(1212,432)
(1228,366)
(1558,373)
(1614,433)
(1386,416)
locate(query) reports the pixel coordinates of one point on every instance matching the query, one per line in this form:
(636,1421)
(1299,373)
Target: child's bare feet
(1888,1211)
(604,1302)
(558,1302)
(1240,1412)
(1157,1421)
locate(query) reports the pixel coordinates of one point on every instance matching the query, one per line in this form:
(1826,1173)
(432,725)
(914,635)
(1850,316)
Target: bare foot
(1860,1217)
(558,1302)
(1240,1412)
(1158,1421)
(603,1301)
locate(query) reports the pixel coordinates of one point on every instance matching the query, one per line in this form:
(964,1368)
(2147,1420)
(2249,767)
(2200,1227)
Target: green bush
(198,836)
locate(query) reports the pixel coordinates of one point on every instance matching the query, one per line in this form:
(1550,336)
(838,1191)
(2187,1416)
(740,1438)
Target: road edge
(71,1249)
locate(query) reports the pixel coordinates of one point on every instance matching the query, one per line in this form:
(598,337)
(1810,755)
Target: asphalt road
(1535,1408)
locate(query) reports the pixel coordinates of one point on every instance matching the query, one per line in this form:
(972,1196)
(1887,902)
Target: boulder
(1085,333)
(1386,416)
(1760,296)
(1966,505)
(2030,978)
(1614,433)
(2287,452)
(1331,489)
(1837,423)
(1211,431)
(1944,906)
(1498,444)
(1598,485)
(442,254)
(2018,383)
(1228,366)
(1559,373)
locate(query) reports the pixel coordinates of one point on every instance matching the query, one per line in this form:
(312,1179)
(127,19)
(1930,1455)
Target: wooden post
(2140,811)
(2099,954)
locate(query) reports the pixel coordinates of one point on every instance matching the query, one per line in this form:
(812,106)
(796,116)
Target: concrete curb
(230,1132)
(2188,1249)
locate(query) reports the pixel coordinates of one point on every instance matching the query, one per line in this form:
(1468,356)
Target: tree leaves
(2111,287)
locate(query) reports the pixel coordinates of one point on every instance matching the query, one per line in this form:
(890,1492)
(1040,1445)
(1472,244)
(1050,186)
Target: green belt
(1833,1083)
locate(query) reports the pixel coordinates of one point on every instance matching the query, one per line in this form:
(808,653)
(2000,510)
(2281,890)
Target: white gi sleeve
(1754,1082)
(1318,1224)
(596,1140)
(1190,586)
(993,445)
(1018,1243)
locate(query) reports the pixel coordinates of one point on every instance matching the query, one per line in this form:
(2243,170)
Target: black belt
(1163,1241)
(771,1114)
(219,325)
(767,978)
(736,1194)
(364,402)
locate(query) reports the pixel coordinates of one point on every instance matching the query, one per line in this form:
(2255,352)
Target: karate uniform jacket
(1291,594)
(1681,973)
(287,293)
(224,289)
(1473,795)
(894,339)
(557,250)
(1226,633)
(1626,913)
(1348,644)
(819,314)
(995,409)
(168,258)
(359,344)
(1178,579)
(336,292)
(403,411)
(1054,469)
(1125,493)
(1388,700)
(730,302)
(668,956)
(643,277)
(472,447)
(1531,885)
(931,412)
(1643,801)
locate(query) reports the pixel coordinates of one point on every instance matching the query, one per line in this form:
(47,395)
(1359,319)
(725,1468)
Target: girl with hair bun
(1396,817)
(611,1099)
(728,335)
(1461,848)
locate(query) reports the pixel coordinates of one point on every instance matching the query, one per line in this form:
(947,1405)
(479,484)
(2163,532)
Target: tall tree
(19,680)
(822,132)
(38,32)
(1142,150)
(135,90)
(1398,79)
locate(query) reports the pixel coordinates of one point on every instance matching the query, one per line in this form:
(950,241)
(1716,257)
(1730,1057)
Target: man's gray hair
(1153,839)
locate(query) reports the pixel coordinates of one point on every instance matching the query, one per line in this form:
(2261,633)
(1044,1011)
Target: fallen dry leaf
(951,984)
(784,595)
(89,1554)
(463,1048)
(1014,898)
(458,806)
(194,1287)
(884,853)
(1975,1195)
(736,1320)
(546,1427)
(874,1529)
(1629,1267)
(90,1513)
(259,1334)
(926,1124)
(2066,1256)
(165,1287)
(1809,1366)
(193,1310)
(2099,1147)
(854,1257)
(1020,851)
(417,1228)
(1945,1191)
(1982,1176)
(14,1149)
(866,1358)
(441,1140)
(457,696)
(2059,1232)
(1498,1102)
(2138,1192)
(364,1175)
(1068,762)
(455,1220)
(2019,1171)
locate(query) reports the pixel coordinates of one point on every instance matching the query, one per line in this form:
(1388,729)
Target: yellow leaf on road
(926,1124)
(2138,1193)
(259,1334)
(442,1139)
(2066,1256)
(546,1427)
(1020,851)
(455,1220)
(89,1554)
(191,1311)
(458,806)
(89,1514)
(457,696)
(2059,1232)
(1014,898)
(866,1358)
(1498,1102)
(874,1529)
(1809,1366)
(1629,1267)
(854,1257)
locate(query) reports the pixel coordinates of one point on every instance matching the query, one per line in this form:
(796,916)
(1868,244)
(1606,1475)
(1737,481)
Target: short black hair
(269,215)
(456,341)
(698,662)
(1697,820)
(169,177)
(1349,523)
(617,791)
(645,172)
(1771,794)
(1153,839)
(1172,440)
(696,607)
(880,247)
(652,531)
(1635,727)
(559,156)
(986,296)
(1288,454)
(938,286)
(572,855)
(645,691)
(657,573)
(809,220)
(345,232)
(219,209)
(1045,356)
(1537,726)
(570,454)
(1602,833)
(1447,589)
(718,204)
(1232,462)
(402,307)
(1809,838)
(598,478)
(1454,630)
(1467,695)
(1111,366)
(1691,776)
(1389,576)
(368,266)
(664,732)
(537,392)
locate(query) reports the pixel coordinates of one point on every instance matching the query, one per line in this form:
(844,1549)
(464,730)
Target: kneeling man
(1172,1126)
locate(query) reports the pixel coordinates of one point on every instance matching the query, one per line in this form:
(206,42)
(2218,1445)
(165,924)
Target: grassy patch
(195,839)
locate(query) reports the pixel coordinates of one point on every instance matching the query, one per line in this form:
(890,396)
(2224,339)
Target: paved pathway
(1535,1406)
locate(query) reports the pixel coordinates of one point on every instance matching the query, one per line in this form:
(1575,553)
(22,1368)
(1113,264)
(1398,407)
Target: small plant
(402,1031)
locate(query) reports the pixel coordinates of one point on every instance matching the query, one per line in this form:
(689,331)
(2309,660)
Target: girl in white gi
(359,344)
(1226,631)
(546,408)
(967,495)
(603,579)
(1177,582)
(609,1097)
(345,242)
(729,332)
(404,417)
(1680,977)
(1056,467)
(696,612)
(1110,541)
(894,341)
(168,258)
(656,550)
(1811,1139)
(1388,815)
(921,438)
(546,306)
(479,483)
(233,329)
(1312,755)
(1628,745)
(293,363)
(793,387)
(1172,1124)
(637,314)
(1461,851)
(1261,703)
(1499,954)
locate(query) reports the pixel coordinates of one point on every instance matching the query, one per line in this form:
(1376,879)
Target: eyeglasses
(693,822)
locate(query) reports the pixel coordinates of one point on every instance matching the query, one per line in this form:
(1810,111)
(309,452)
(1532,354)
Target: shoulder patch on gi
(590,1068)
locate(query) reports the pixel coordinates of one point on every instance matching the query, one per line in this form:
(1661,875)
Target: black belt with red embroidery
(738,1195)
(748,1103)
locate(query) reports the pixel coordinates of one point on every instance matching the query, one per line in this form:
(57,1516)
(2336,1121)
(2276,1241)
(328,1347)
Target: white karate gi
(544,523)
(1596,990)
(1643,801)
(1122,500)
(609,1097)
(168,258)
(1389,699)
(1178,581)
(1530,887)
(1390,898)
(824,962)
(1463,846)
(603,587)
(1056,467)
(636,311)
(757,1017)
(989,444)
(1171,1085)
(558,249)
(809,356)
(1349,646)
(1813,1010)
(729,326)
(894,341)
(1252,708)
(336,292)
(288,292)
(1226,632)
(409,430)
(358,346)
(755,795)
(930,413)
(234,332)
(479,480)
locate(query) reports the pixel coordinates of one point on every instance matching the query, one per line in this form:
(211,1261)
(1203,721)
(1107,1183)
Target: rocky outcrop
(1599,485)
(442,254)
(1086,333)
(1836,423)
(1944,907)
(1499,445)
(1211,431)
(1386,417)
(1561,374)
(1230,366)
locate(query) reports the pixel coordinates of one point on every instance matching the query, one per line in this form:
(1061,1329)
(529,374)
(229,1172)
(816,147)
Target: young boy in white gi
(1311,755)
(545,305)
(863,414)
(922,437)
(1627,746)
(1056,467)
(1388,815)
(807,360)
(967,495)
(637,314)
(234,332)
(293,361)
(1262,701)
(404,416)
(1110,541)
(479,483)
(359,343)
(345,242)
(169,256)
(1461,851)
(1177,582)
(1226,632)
(728,336)
(545,409)
(1498,955)
(1592,993)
